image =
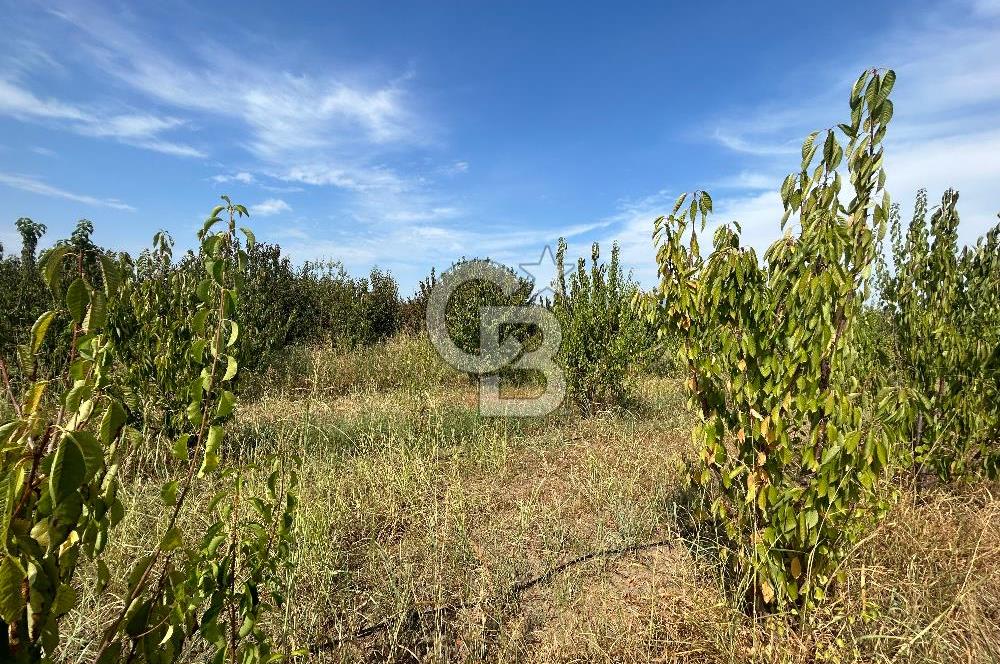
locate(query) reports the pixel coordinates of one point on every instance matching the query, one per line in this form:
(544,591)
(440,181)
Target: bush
(464,310)
(605,338)
(65,439)
(349,312)
(944,316)
(272,301)
(792,451)
(23,296)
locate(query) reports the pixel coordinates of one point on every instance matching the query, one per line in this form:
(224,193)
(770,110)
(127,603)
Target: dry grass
(419,517)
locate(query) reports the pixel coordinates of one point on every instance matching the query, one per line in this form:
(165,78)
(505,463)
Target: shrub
(349,312)
(604,335)
(944,316)
(464,310)
(61,455)
(792,453)
(23,296)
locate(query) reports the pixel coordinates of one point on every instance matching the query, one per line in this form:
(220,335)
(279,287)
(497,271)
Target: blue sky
(409,134)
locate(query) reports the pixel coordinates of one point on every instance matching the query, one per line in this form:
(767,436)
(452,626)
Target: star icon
(544,273)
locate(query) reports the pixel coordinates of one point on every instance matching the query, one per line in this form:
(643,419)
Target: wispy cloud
(738,143)
(287,114)
(356,178)
(752,180)
(45,152)
(270,207)
(311,124)
(424,215)
(242,177)
(37,186)
(138,130)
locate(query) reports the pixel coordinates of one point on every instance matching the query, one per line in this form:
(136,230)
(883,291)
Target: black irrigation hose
(414,617)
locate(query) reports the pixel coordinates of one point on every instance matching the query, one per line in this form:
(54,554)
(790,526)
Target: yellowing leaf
(796,567)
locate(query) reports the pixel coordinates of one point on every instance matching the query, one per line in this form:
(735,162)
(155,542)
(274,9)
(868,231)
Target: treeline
(284,305)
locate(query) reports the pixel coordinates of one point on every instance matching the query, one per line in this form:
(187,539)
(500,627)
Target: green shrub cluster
(605,339)
(73,428)
(463,313)
(942,305)
(811,391)
(345,311)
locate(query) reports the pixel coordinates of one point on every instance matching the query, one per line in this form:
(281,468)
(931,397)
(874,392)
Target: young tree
(792,455)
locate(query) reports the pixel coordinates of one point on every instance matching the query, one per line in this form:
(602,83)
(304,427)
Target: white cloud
(751,180)
(306,124)
(270,207)
(45,152)
(138,130)
(288,114)
(355,178)
(242,176)
(36,186)
(22,104)
(738,143)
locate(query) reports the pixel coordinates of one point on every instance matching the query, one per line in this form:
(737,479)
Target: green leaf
(103,576)
(180,448)
(231,368)
(112,275)
(234,333)
(888,81)
(207,226)
(197,350)
(77,299)
(705,203)
(251,238)
(139,568)
(807,149)
(53,261)
(211,459)
(97,317)
(171,539)
(93,452)
(168,493)
(227,402)
(198,322)
(204,290)
(39,329)
(12,602)
(68,470)
(81,391)
(678,203)
(112,422)
(65,599)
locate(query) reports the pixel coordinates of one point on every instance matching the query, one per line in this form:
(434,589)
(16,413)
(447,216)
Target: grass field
(430,533)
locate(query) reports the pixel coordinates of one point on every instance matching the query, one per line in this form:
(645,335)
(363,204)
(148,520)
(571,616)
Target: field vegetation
(221,456)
